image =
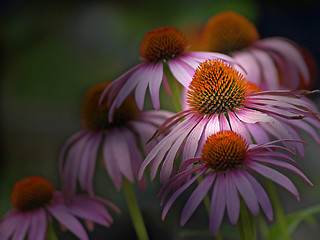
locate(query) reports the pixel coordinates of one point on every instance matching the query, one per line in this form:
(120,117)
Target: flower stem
(50,232)
(280,216)
(245,223)
(174,88)
(134,210)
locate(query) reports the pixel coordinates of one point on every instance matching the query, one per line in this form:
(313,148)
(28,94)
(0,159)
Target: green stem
(134,210)
(174,88)
(263,227)
(50,232)
(219,236)
(245,223)
(279,213)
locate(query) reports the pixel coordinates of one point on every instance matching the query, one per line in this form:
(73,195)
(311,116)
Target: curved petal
(178,70)
(233,201)
(38,226)
(21,231)
(142,85)
(154,85)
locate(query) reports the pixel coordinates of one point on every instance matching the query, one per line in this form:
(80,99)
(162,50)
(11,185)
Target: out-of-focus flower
(227,165)
(271,63)
(118,142)
(35,202)
(219,98)
(159,46)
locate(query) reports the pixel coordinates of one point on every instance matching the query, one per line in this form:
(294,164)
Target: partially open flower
(219,98)
(159,46)
(227,166)
(271,63)
(35,201)
(118,141)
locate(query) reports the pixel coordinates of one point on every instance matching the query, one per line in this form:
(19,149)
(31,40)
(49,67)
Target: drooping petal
(275,176)
(196,197)
(154,85)
(180,73)
(22,229)
(60,212)
(38,226)
(261,195)
(233,201)
(140,91)
(239,127)
(9,223)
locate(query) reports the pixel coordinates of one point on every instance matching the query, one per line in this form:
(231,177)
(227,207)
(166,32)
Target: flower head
(35,202)
(227,165)
(161,46)
(219,99)
(118,141)
(271,63)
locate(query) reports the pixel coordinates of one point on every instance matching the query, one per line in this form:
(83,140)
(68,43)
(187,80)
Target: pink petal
(196,197)
(38,226)
(22,228)
(239,127)
(60,212)
(142,85)
(252,116)
(179,72)
(154,85)
(233,201)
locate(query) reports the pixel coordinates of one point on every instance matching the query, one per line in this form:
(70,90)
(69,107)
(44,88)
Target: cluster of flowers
(241,109)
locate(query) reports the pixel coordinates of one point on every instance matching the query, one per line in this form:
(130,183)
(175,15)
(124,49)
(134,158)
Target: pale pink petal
(250,64)
(38,226)
(9,223)
(60,212)
(275,176)
(269,69)
(224,123)
(252,116)
(203,56)
(111,162)
(257,133)
(121,153)
(239,127)
(154,85)
(22,229)
(180,73)
(140,91)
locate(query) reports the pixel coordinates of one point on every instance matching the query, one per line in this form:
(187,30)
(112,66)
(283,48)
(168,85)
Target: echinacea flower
(159,46)
(227,165)
(36,202)
(118,141)
(219,98)
(271,63)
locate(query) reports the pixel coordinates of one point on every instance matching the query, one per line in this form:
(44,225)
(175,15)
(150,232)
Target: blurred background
(51,52)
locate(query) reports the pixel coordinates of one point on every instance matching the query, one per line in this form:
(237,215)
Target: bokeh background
(51,52)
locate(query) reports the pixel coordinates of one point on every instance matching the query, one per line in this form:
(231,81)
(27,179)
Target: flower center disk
(94,116)
(216,88)
(162,43)
(229,31)
(31,193)
(224,150)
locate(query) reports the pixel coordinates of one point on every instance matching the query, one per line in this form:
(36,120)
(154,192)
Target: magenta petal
(258,134)
(261,195)
(246,191)
(275,176)
(142,85)
(252,116)
(86,208)
(38,226)
(178,192)
(60,212)
(21,230)
(111,162)
(180,73)
(218,204)
(9,223)
(239,127)
(233,201)
(196,197)
(154,85)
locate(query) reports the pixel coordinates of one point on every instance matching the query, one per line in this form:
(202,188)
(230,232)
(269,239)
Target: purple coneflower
(35,202)
(159,46)
(219,98)
(271,63)
(227,164)
(118,141)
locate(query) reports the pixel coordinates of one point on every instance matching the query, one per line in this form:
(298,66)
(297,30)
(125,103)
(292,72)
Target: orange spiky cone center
(31,193)
(227,32)
(94,116)
(216,88)
(162,43)
(224,150)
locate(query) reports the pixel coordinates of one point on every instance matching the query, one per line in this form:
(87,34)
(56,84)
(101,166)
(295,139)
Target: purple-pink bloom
(219,99)
(227,166)
(163,45)
(270,63)
(118,143)
(35,204)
